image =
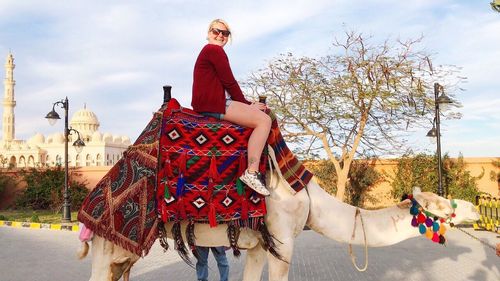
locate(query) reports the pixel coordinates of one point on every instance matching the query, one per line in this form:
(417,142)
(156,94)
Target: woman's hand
(259,105)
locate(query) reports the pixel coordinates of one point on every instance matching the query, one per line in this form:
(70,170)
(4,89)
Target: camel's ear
(416,190)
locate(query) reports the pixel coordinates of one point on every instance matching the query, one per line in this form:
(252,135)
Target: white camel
(287,214)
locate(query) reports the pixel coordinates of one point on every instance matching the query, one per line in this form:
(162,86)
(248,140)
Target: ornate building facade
(101,149)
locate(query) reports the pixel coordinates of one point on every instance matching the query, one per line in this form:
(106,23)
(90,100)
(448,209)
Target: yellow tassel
(442,230)
(429,233)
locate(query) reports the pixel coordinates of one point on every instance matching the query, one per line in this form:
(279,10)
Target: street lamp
(495,5)
(439,101)
(52,117)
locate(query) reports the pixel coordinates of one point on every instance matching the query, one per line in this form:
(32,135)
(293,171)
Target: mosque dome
(36,139)
(125,140)
(107,137)
(96,136)
(85,122)
(56,138)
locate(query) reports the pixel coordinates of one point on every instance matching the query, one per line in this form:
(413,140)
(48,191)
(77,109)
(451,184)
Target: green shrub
(421,170)
(4,218)
(362,177)
(45,189)
(34,218)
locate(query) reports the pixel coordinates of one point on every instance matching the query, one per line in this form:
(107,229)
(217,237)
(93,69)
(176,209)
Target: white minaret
(8,101)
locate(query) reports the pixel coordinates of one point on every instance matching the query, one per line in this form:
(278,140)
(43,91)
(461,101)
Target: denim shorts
(219,116)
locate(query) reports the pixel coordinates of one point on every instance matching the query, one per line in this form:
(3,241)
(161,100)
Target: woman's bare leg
(252,117)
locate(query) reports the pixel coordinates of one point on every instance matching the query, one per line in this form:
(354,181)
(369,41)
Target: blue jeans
(202,263)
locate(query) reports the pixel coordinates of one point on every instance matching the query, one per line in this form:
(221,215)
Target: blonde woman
(216,93)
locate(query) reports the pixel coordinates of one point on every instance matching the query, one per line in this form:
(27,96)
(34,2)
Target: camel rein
(353,257)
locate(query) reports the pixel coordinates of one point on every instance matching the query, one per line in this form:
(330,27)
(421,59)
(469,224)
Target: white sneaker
(252,180)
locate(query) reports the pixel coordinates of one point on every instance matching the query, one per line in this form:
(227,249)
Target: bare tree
(358,101)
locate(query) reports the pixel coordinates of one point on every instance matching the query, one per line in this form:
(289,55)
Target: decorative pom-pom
(435,237)
(454,204)
(421,218)
(428,222)
(414,222)
(435,227)
(441,220)
(442,240)
(442,230)
(453,215)
(414,210)
(429,233)
(422,229)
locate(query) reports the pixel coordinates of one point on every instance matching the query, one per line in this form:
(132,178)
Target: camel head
(464,212)
(109,261)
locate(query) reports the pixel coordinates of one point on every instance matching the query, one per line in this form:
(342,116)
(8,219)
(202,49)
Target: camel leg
(254,263)
(278,269)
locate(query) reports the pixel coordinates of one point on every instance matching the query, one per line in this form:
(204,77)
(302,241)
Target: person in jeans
(216,93)
(202,262)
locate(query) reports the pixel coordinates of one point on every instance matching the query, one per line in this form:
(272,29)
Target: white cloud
(116,55)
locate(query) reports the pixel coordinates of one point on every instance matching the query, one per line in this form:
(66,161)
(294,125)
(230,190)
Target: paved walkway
(42,254)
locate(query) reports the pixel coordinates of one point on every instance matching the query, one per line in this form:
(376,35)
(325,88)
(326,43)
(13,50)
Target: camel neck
(336,220)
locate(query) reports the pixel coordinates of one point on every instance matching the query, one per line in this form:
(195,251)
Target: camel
(287,215)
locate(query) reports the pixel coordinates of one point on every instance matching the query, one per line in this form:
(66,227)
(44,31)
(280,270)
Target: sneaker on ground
(252,180)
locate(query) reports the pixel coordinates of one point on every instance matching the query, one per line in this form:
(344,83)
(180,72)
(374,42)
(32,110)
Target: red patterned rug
(200,162)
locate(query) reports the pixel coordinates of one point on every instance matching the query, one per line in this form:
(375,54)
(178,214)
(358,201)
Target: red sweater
(211,76)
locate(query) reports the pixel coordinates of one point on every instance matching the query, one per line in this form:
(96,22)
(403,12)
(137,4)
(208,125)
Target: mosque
(101,149)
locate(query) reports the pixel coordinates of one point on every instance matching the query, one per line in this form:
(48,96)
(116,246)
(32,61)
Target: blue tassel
(422,229)
(180,186)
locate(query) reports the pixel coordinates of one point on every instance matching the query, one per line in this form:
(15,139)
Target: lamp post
(436,131)
(52,117)
(495,5)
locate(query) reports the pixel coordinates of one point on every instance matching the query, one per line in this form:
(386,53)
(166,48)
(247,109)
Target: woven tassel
(179,243)
(244,209)
(182,163)
(268,240)
(239,187)
(242,165)
(233,234)
(168,169)
(210,188)
(182,209)
(166,192)
(163,208)
(162,236)
(191,238)
(213,173)
(180,186)
(211,215)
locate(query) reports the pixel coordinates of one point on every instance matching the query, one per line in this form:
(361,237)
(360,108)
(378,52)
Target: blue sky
(115,56)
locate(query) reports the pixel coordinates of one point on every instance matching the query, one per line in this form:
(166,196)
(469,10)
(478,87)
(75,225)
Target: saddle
(184,167)
(200,161)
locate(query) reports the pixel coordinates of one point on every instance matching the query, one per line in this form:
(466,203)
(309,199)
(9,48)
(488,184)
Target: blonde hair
(212,23)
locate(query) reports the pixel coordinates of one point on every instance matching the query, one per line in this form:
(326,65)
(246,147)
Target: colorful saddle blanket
(200,162)
(123,207)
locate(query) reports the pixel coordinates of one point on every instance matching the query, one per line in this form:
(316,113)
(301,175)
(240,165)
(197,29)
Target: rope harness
(353,257)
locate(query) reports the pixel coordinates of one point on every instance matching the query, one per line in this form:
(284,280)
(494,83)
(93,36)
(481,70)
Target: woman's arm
(220,61)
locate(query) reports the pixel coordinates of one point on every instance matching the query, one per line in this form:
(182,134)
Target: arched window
(31,161)
(22,162)
(58,159)
(88,160)
(98,160)
(77,163)
(13,162)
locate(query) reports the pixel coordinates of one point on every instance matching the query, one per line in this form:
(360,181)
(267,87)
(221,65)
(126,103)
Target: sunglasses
(217,31)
